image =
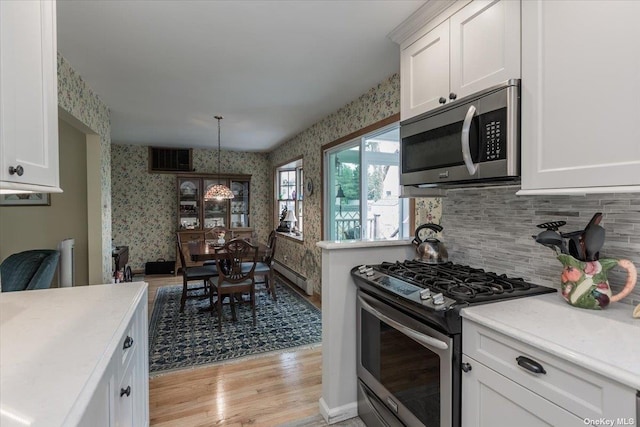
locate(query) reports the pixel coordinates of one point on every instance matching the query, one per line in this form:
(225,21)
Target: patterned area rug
(190,339)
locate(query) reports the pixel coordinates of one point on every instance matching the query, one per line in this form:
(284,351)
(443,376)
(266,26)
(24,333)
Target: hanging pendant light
(218,191)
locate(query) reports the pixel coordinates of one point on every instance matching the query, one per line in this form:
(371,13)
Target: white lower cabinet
(508,382)
(122,397)
(492,400)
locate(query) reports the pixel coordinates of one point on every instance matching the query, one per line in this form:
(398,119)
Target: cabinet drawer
(128,343)
(585,393)
(190,237)
(490,399)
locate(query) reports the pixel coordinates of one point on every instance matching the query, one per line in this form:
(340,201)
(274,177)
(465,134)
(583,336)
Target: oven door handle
(466,150)
(421,338)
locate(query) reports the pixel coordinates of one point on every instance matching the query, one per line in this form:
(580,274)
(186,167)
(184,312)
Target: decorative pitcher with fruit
(585,284)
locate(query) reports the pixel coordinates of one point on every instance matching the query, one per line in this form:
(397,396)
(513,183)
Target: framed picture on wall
(25,199)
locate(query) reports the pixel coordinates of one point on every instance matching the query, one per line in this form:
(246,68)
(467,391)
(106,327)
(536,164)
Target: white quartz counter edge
(354,244)
(604,341)
(55,346)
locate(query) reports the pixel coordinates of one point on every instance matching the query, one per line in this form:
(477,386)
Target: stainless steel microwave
(472,141)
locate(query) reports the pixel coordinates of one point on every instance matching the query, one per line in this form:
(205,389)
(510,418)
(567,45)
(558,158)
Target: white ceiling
(271,68)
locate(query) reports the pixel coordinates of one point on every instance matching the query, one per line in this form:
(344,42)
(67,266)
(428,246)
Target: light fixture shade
(218,192)
(291,217)
(340,194)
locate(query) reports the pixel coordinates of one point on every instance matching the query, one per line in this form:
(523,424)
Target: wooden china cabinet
(197,215)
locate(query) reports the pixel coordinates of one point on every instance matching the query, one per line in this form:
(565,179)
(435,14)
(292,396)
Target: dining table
(206,250)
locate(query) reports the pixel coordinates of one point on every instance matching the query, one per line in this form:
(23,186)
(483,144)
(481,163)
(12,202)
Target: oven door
(405,364)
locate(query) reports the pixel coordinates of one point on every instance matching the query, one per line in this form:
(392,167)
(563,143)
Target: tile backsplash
(492,228)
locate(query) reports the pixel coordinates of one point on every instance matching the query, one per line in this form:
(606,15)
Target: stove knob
(369,273)
(425,294)
(466,367)
(438,299)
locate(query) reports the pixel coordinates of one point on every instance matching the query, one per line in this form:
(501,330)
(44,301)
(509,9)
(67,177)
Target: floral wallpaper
(76,98)
(376,104)
(145,204)
(428,210)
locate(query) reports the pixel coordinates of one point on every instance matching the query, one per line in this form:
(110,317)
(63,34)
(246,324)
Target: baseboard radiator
(294,277)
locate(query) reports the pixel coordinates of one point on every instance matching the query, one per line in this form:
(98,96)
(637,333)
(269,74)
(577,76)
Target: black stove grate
(459,282)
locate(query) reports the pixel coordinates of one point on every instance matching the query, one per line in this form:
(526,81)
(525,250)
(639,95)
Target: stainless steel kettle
(430,250)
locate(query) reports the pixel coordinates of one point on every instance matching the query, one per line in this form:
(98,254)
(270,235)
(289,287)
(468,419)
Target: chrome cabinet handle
(466,367)
(442,100)
(530,365)
(125,391)
(466,151)
(452,96)
(128,342)
(421,338)
(18,170)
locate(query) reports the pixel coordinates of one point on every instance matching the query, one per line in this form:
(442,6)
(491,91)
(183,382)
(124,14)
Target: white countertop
(604,341)
(354,244)
(55,346)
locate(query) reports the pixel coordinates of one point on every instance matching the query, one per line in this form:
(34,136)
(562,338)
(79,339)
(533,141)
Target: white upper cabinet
(28,96)
(485,45)
(477,47)
(580,97)
(424,72)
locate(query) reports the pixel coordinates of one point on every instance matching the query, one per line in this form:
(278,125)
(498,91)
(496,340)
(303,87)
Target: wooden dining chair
(203,273)
(232,280)
(264,268)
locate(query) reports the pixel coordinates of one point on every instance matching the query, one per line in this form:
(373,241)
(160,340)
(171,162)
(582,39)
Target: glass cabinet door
(189,211)
(215,211)
(240,204)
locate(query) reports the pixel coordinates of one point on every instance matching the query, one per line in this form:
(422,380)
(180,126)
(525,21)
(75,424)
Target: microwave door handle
(466,151)
(425,340)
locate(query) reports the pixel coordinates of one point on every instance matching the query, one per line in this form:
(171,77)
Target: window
(363,181)
(289,196)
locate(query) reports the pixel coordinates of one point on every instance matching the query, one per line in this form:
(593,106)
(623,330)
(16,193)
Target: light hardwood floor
(265,391)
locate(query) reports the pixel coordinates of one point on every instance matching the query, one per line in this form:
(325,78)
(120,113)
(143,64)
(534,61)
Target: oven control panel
(406,290)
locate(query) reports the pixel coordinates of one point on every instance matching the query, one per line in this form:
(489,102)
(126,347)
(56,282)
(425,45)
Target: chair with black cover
(234,281)
(29,270)
(203,273)
(264,268)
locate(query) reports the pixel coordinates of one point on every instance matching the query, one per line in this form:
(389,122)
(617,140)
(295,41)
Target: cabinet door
(216,212)
(485,45)
(490,399)
(580,96)
(28,95)
(240,204)
(424,74)
(189,207)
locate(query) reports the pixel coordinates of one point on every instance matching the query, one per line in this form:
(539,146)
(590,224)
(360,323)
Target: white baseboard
(294,277)
(341,413)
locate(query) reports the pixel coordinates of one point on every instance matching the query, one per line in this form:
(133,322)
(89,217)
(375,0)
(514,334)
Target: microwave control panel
(492,132)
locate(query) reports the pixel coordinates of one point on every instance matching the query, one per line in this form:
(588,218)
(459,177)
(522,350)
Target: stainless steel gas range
(409,337)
